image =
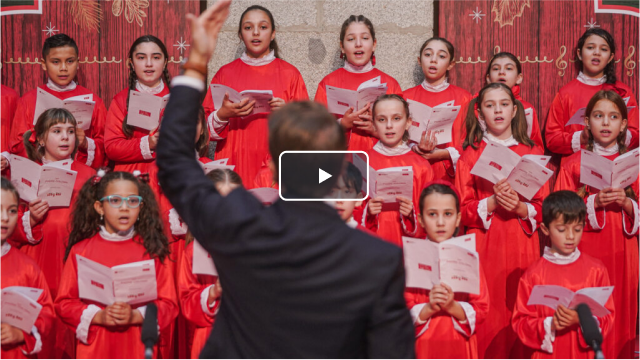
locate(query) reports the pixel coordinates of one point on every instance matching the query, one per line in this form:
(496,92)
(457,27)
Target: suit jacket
(297,281)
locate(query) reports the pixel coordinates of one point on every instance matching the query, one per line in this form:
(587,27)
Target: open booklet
(340,100)
(131,283)
(202,261)
(601,173)
(20,307)
(261,97)
(265,195)
(145,109)
(526,174)
(80,106)
(454,262)
(216,164)
(438,120)
(578,117)
(554,295)
(52,182)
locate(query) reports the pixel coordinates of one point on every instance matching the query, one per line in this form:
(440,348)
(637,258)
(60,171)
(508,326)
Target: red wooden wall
(104,32)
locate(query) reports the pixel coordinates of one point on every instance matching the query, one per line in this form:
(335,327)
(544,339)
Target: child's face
(390,122)
(342,191)
(61,65)
(440,217)
(60,141)
(224,188)
(122,217)
(358,44)
(605,123)
(498,111)
(595,55)
(257,33)
(148,63)
(504,70)
(9,214)
(435,60)
(565,238)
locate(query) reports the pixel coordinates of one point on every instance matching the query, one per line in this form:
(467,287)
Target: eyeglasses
(133,201)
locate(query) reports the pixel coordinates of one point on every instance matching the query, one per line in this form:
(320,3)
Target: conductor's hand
(205,29)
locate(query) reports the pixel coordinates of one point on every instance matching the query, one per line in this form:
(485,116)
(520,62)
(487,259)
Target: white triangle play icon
(323,176)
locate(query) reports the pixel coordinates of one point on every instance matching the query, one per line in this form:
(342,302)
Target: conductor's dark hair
(565,205)
(56,41)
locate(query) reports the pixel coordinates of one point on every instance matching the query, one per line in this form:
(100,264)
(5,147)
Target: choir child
(595,60)
(391,121)
(133,148)
(611,232)
(357,45)
(504,222)
(115,222)
(7,111)
(349,188)
(556,334)
(445,321)
(436,59)
(20,270)
(200,294)
(241,135)
(60,61)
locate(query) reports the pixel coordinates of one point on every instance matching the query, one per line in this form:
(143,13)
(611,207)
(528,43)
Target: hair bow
(33,138)
(141,177)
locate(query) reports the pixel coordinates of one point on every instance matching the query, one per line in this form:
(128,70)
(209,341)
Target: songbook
(53,182)
(526,174)
(145,109)
(132,283)
(439,120)
(601,173)
(20,307)
(554,295)
(261,97)
(454,262)
(202,261)
(80,106)
(265,195)
(340,100)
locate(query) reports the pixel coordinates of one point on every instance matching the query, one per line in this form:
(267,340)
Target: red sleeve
(321,94)
(207,103)
(118,147)
(47,314)
(394,87)
(190,290)
(22,121)
(633,121)
(96,133)
(415,297)
(167,301)
(19,236)
(480,304)
(9,104)
(558,138)
(298,89)
(469,197)
(526,322)
(605,322)
(459,131)
(536,135)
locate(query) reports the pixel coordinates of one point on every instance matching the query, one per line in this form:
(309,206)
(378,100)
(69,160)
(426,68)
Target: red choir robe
(506,242)
(344,79)
(7,111)
(193,291)
(572,97)
(533,323)
(442,336)
(619,254)
(97,341)
(93,156)
(442,169)
(20,270)
(244,141)
(390,225)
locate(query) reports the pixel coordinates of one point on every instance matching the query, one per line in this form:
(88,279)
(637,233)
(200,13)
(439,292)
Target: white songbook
(554,295)
(202,261)
(80,106)
(265,195)
(145,109)
(454,262)
(526,174)
(439,120)
(131,283)
(340,100)
(53,182)
(208,167)
(20,307)
(390,183)
(601,173)
(261,97)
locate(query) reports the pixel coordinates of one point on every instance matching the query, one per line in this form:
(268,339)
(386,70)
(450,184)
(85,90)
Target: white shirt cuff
(454,155)
(549,336)
(415,316)
(204,297)
(575,141)
(216,126)
(91,150)
(470,312)
(483,212)
(145,149)
(591,213)
(38,345)
(177,228)
(26,224)
(82,331)
(6,155)
(531,216)
(188,81)
(635,217)
(415,224)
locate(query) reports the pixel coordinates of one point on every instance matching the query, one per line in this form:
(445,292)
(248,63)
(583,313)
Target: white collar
(591,81)
(398,150)
(602,151)
(487,137)
(352,223)
(358,69)
(5,248)
(435,88)
(267,59)
(46,162)
(119,236)
(560,259)
(150,90)
(55,87)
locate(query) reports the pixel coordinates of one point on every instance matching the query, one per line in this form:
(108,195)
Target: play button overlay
(321,175)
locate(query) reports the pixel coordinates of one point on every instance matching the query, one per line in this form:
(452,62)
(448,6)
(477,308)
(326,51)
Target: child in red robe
(391,121)
(436,60)
(595,59)
(611,232)
(347,190)
(445,321)
(61,62)
(19,270)
(358,45)
(9,103)
(117,222)
(504,222)
(240,134)
(556,334)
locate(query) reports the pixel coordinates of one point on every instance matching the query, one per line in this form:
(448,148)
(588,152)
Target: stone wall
(308,35)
